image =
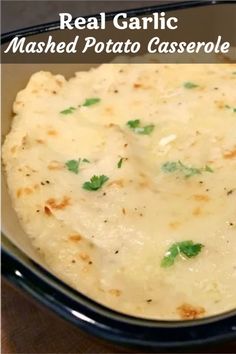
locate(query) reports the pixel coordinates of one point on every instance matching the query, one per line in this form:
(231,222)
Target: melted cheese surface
(109,243)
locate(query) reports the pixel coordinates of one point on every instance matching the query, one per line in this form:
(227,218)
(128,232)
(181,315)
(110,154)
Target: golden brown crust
(190,312)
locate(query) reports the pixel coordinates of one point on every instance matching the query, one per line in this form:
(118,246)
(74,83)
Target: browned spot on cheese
(230,154)
(75,238)
(118,183)
(58,204)
(55,165)
(115,292)
(47,211)
(174,224)
(19,192)
(27,190)
(136,85)
(36,186)
(144,184)
(13,149)
(220,104)
(197,211)
(124,211)
(39,141)
(201,197)
(189,312)
(23,191)
(52,132)
(85,257)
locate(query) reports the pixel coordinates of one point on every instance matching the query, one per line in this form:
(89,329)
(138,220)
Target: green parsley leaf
(208,169)
(135,126)
(190,249)
(188,171)
(95,183)
(190,85)
(145,130)
(68,110)
(234,72)
(229,107)
(133,123)
(186,248)
(90,101)
(169,258)
(119,164)
(73,165)
(170,166)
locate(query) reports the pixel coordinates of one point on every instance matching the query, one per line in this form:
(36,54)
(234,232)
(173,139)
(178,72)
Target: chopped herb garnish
(90,101)
(188,171)
(135,126)
(208,169)
(229,107)
(133,123)
(119,164)
(190,85)
(95,183)
(234,72)
(185,248)
(145,130)
(170,166)
(68,110)
(73,165)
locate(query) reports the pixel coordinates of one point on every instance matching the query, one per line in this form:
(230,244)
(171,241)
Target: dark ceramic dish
(21,266)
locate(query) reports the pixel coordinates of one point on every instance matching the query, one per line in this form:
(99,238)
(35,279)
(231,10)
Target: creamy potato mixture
(124,178)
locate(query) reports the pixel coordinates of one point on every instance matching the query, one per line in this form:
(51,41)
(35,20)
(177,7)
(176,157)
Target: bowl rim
(80,310)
